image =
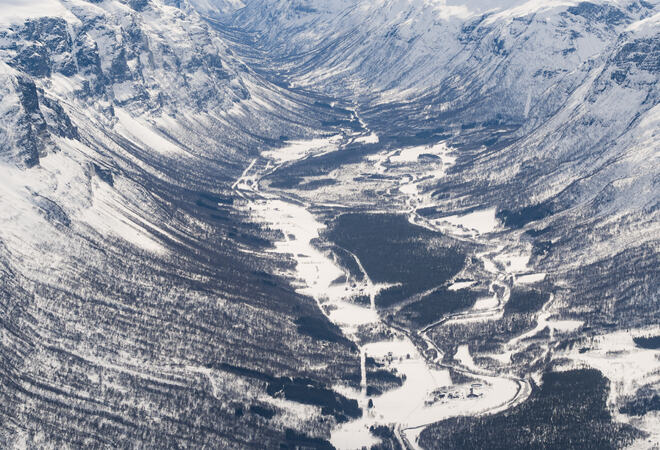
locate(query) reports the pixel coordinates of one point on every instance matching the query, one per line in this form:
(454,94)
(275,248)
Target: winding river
(427,394)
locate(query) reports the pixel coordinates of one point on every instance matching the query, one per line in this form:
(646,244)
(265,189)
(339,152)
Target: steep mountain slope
(551,109)
(136,303)
(561,95)
(556,90)
(178,268)
(404,45)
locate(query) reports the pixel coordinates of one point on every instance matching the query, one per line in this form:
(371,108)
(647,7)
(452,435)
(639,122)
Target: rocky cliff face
(142,304)
(566,92)
(136,303)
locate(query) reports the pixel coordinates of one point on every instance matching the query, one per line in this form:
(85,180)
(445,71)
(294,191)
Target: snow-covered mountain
(553,107)
(399,47)
(567,90)
(129,284)
(173,178)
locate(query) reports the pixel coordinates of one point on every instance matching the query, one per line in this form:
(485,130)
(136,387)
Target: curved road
(248,188)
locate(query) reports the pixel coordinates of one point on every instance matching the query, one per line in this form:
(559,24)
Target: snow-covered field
(296,150)
(530,278)
(315,271)
(427,394)
(481,222)
(525,133)
(627,366)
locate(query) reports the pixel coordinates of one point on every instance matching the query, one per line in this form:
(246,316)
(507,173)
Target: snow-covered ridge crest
(217,7)
(17,11)
(401,48)
(82,56)
(646,27)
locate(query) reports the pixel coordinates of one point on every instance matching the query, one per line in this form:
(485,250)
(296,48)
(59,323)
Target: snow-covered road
(413,406)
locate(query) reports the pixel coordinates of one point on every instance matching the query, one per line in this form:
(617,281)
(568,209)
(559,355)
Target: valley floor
(435,386)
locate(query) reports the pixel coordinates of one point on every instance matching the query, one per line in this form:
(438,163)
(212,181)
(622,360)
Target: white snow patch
(17,11)
(514,263)
(530,278)
(504,358)
(296,150)
(108,215)
(646,27)
(409,189)
(483,221)
(369,139)
(627,366)
(565,326)
(461,285)
(412,154)
(349,314)
(463,356)
(141,132)
(648,423)
(486,303)
(490,266)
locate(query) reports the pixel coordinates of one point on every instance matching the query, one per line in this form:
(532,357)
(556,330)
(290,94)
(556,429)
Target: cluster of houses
(452,394)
